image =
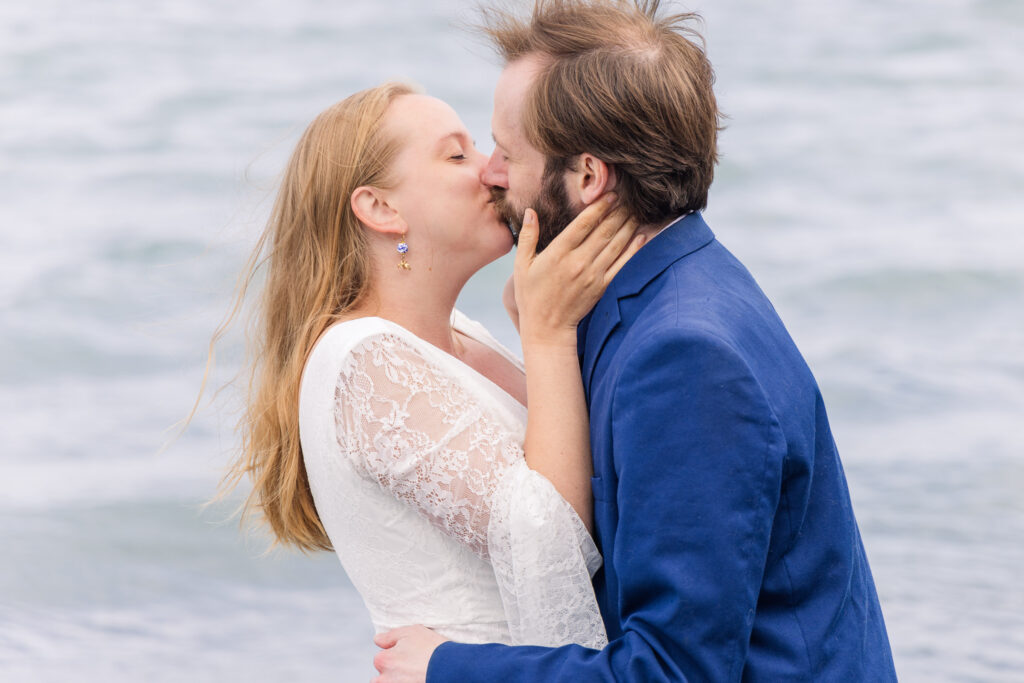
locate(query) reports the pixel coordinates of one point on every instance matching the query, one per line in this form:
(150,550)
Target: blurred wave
(871,179)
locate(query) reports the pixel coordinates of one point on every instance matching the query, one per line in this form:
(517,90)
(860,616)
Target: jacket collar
(681,238)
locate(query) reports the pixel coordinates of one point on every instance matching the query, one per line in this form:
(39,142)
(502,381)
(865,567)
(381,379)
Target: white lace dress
(416,466)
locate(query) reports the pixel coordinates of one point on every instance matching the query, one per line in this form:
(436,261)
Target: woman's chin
(507,241)
(500,251)
(496,248)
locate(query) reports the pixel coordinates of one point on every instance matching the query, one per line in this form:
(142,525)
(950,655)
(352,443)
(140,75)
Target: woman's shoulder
(346,342)
(344,337)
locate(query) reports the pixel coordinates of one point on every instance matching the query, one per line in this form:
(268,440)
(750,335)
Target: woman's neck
(420,302)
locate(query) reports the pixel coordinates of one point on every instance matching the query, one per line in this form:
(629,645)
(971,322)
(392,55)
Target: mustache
(507,214)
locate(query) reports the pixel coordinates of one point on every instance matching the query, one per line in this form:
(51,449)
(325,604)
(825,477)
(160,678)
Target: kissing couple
(653,492)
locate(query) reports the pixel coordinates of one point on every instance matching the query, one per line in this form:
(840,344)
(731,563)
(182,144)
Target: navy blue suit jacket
(730,547)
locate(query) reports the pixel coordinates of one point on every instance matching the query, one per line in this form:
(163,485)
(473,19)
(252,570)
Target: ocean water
(872,178)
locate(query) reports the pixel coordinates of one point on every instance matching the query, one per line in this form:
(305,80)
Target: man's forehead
(509,95)
(519,74)
(504,122)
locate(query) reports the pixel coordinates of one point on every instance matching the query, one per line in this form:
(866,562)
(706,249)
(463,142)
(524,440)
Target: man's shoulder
(707,294)
(708,304)
(688,347)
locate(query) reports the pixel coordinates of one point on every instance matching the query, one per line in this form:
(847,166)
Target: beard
(554,210)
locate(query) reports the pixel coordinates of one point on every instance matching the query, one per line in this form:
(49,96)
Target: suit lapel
(602,321)
(681,238)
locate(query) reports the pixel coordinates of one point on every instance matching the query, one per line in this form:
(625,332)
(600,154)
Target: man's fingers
(380,661)
(386,639)
(406,655)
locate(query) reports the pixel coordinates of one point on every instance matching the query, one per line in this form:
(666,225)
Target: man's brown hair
(624,84)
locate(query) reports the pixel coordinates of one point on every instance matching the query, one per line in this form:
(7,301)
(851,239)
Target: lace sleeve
(407,424)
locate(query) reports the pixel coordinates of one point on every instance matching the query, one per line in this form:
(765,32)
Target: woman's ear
(591,179)
(371,207)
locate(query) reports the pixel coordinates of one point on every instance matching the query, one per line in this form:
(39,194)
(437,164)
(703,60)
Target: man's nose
(495,173)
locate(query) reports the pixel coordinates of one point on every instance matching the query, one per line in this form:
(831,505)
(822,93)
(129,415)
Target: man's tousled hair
(622,83)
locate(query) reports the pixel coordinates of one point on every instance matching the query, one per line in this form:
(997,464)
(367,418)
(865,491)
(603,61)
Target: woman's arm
(554,290)
(508,299)
(404,423)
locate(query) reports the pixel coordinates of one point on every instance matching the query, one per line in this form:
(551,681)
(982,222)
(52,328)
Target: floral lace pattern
(428,432)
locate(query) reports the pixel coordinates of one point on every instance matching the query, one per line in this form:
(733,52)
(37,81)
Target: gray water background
(872,178)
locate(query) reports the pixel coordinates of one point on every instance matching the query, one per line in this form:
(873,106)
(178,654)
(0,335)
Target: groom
(730,547)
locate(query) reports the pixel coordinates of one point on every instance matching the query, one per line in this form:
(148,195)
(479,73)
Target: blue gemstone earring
(403,249)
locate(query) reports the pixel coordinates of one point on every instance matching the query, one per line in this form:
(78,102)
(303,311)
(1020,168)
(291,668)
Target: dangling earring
(403,249)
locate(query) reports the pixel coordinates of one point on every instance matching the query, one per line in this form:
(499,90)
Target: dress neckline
(460,323)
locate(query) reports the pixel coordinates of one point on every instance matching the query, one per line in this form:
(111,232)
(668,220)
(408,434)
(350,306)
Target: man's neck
(652,230)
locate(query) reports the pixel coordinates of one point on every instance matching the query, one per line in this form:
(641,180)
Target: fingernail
(609,198)
(530,217)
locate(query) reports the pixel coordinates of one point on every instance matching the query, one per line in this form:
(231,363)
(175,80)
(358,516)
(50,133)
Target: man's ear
(371,207)
(591,179)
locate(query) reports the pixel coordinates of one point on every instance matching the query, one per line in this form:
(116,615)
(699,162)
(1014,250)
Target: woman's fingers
(613,232)
(563,283)
(613,245)
(528,236)
(583,225)
(626,254)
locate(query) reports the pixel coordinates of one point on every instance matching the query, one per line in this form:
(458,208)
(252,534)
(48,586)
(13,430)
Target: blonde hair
(317,265)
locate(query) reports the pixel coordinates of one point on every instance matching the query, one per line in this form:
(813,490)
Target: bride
(387,426)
